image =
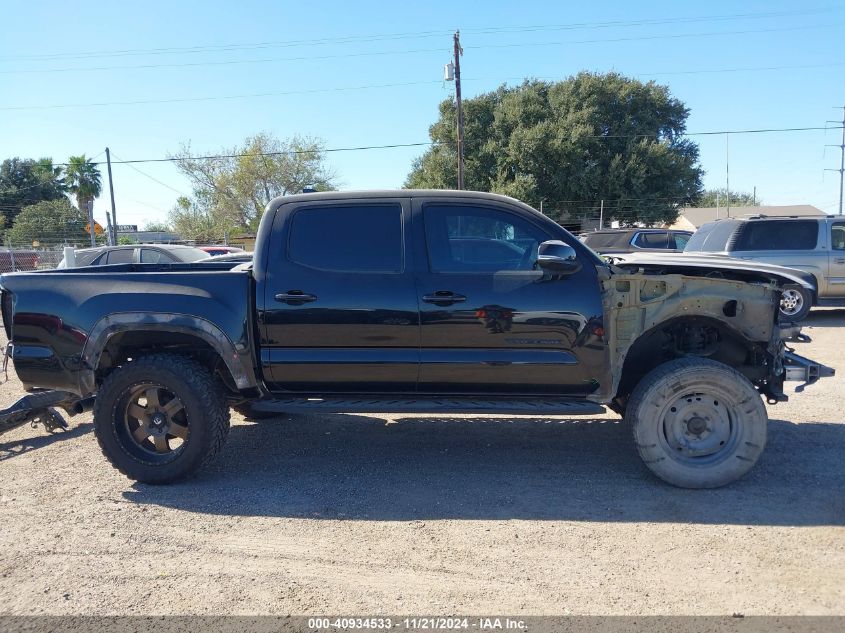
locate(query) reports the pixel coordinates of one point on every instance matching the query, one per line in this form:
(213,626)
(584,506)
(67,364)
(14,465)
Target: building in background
(690,218)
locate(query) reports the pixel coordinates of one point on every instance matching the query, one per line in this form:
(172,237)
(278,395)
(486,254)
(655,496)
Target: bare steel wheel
(697,427)
(160,418)
(155,424)
(795,304)
(697,423)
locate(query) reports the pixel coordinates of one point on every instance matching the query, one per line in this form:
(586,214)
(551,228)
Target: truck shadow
(416,468)
(15,448)
(825,317)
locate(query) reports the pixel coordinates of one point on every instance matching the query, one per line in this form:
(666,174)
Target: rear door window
(350,238)
(152,256)
(837,236)
(652,240)
(681,240)
(121,256)
(778,235)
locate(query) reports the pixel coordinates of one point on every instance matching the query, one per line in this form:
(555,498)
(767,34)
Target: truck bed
(59,323)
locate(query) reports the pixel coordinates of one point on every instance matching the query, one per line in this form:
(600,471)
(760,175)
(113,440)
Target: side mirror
(558,257)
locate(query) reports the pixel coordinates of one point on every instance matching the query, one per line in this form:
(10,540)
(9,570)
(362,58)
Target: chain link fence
(14,259)
(47,253)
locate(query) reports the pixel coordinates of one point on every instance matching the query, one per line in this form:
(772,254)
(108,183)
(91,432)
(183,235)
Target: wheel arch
(146,332)
(644,354)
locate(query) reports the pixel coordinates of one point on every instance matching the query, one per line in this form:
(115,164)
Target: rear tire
(795,304)
(697,423)
(160,418)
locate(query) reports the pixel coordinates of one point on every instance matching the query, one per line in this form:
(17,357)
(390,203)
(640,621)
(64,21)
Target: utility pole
(112,231)
(460,145)
(728,171)
(601,216)
(90,206)
(841,147)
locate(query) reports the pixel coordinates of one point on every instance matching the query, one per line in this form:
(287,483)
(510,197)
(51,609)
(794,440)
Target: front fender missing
(635,304)
(112,324)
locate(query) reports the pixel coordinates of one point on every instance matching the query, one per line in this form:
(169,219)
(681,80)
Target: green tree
(26,181)
(83,180)
(49,222)
(571,144)
(157,226)
(233,191)
(719,198)
(199,221)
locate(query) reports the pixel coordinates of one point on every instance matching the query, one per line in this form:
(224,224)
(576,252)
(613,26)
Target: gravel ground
(352,514)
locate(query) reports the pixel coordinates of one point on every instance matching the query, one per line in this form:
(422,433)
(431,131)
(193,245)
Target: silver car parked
(815,245)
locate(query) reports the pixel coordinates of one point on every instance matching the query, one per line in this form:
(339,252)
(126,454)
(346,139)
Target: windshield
(189,254)
(603,240)
(711,237)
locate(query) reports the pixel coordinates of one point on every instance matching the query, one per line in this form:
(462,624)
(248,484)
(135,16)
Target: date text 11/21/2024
(429,623)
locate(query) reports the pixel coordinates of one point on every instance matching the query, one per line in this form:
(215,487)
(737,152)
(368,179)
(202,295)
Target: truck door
(836,268)
(340,309)
(491,321)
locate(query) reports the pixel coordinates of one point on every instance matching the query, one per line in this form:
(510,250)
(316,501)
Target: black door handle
(444,298)
(295,297)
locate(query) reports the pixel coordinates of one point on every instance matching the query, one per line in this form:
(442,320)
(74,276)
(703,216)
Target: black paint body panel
(519,332)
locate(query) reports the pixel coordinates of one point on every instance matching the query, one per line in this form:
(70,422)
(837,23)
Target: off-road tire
(671,406)
(793,294)
(205,411)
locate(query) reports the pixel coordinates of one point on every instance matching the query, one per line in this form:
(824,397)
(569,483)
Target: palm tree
(82,179)
(51,175)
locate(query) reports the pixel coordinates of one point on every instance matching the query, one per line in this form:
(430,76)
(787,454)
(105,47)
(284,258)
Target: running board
(507,406)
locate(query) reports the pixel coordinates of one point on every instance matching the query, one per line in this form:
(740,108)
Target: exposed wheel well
(127,345)
(702,337)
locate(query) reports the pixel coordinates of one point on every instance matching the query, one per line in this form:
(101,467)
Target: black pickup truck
(422,301)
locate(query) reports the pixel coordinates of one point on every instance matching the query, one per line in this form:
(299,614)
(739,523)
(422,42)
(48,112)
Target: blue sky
(340,62)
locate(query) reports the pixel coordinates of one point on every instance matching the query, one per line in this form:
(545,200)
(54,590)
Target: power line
(211,48)
(220,97)
(176,159)
(406,84)
(743,69)
(172,159)
(655,37)
(414,51)
(143,173)
(762,130)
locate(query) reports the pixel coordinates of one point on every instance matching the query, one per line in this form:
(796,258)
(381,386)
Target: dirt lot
(351,514)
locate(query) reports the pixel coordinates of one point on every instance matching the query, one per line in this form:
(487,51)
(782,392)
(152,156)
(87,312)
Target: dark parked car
(632,240)
(136,254)
(241,257)
(220,250)
(415,301)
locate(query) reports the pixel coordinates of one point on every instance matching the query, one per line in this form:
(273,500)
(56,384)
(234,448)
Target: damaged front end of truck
(659,309)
